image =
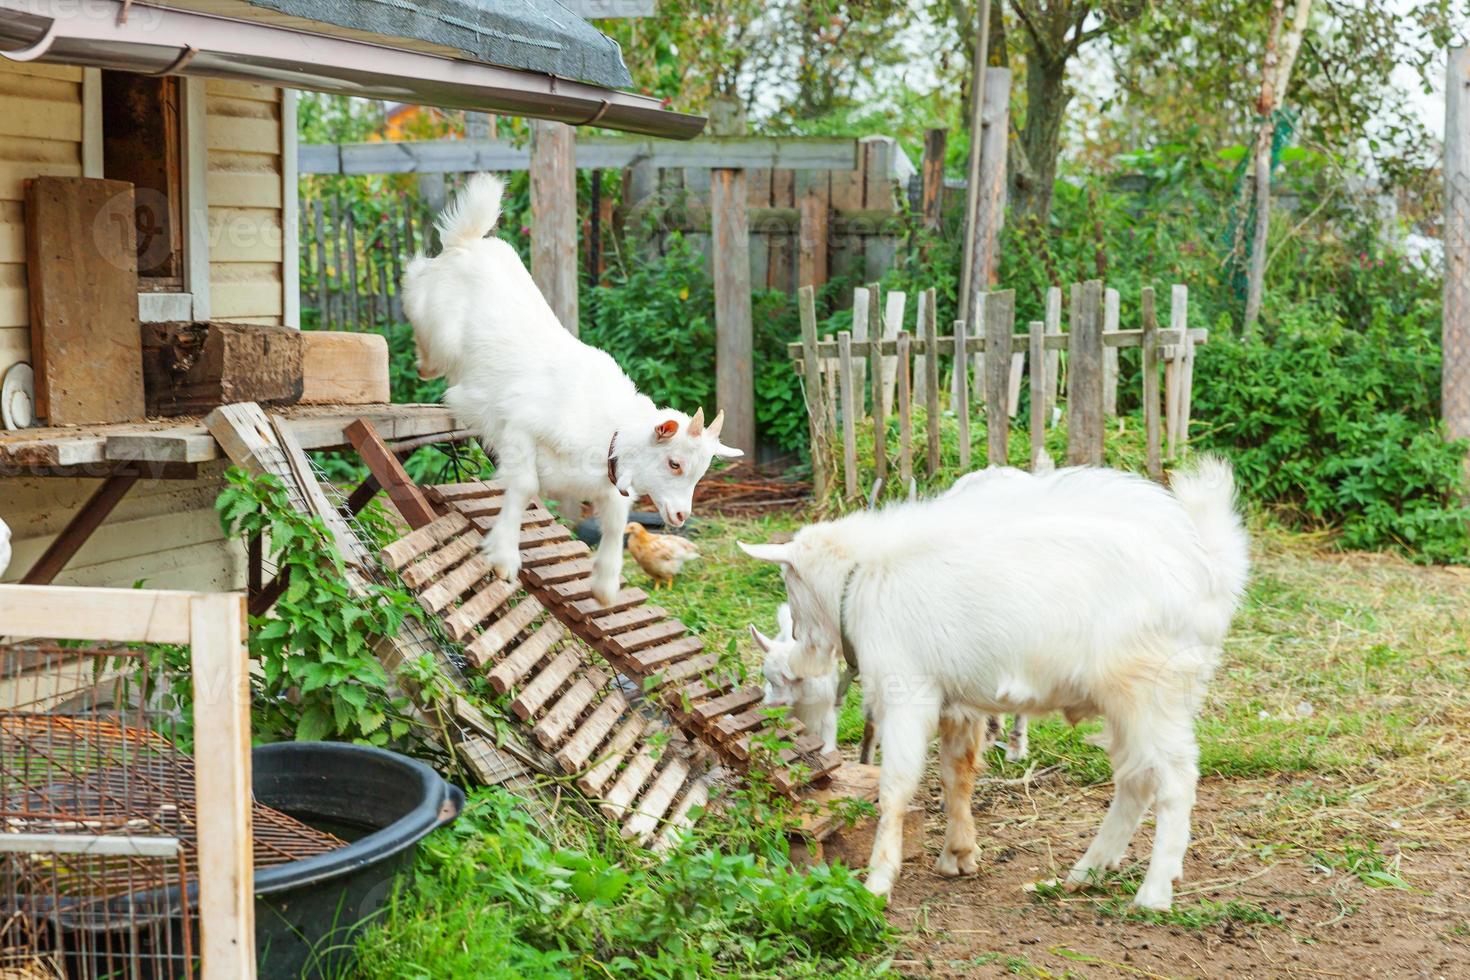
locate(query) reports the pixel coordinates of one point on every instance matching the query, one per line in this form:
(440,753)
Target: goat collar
(612,465)
(848,652)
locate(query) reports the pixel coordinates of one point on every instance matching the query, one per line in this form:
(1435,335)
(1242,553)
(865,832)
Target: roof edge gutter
(159,40)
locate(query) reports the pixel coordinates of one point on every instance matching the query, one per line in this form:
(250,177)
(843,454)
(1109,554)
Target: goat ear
(665,430)
(727,452)
(696,424)
(761,640)
(768,552)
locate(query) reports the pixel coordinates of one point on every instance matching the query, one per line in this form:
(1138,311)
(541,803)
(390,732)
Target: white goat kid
(812,700)
(1085,591)
(561,417)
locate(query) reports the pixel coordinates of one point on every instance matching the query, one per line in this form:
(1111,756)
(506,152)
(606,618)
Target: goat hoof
(605,592)
(952,865)
(1160,898)
(1078,879)
(879,882)
(1016,753)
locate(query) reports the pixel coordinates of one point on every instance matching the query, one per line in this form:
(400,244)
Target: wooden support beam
(384,465)
(812,245)
(554,218)
(734,343)
(79,529)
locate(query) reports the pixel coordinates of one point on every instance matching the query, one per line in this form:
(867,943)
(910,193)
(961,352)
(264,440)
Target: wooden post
(1036,338)
(1110,354)
(920,375)
(876,360)
(862,299)
(892,324)
(323,318)
(1084,378)
(222,788)
(1000,331)
(1174,372)
(979,76)
(847,382)
(1455,376)
(905,410)
(730,247)
(554,217)
(990,203)
(1151,421)
(931,382)
(812,376)
(355,311)
(339,301)
(961,399)
(1053,357)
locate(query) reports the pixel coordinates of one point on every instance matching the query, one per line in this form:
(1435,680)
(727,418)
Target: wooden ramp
(557,653)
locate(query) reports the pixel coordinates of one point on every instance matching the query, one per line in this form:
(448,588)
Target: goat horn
(696,424)
(715,426)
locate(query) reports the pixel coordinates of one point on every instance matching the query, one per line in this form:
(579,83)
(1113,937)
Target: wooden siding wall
(164,533)
(40,135)
(246,203)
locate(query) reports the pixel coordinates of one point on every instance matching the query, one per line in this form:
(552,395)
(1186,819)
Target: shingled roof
(541,36)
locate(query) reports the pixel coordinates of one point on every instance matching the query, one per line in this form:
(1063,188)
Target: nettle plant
(318,676)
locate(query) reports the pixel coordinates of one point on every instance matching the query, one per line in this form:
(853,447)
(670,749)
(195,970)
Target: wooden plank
(631,780)
(1000,327)
(560,572)
(812,379)
(931,170)
(121,615)
(480,607)
(655,658)
(583,608)
(86,347)
(892,323)
(846,383)
(1151,421)
(728,704)
(1034,334)
(734,336)
(520,661)
(880,424)
(447,590)
(1179,370)
(960,400)
(1084,379)
(1111,312)
(384,465)
(621,622)
(546,683)
(813,236)
(498,636)
(549,554)
(902,372)
(343,368)
(611,755)
(560,717)
(634,640)
(589,735)
(683,815)
(456,550)
(860,307)
(221,679)
(656,802)
(1053,320)
(684,669)
(931,383)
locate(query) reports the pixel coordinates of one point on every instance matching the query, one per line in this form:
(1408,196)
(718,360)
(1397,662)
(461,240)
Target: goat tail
(1206,491)
(473,213)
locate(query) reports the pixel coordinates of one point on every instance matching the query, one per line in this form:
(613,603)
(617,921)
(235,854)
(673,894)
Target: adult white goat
(1085,591)
(561,417)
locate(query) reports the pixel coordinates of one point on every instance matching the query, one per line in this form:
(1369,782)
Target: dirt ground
(1331,924)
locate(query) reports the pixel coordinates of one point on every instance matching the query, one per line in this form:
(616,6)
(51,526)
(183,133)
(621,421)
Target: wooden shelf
(77,450)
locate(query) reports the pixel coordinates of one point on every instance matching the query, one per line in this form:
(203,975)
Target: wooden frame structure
(213,626)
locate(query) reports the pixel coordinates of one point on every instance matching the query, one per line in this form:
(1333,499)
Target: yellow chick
(662,556)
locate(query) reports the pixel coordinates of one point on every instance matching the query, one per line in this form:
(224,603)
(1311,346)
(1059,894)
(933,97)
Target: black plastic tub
(309,913)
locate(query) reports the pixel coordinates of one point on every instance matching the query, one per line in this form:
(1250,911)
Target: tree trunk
(1047,98)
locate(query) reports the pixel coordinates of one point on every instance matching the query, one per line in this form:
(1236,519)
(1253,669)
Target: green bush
(1336,427)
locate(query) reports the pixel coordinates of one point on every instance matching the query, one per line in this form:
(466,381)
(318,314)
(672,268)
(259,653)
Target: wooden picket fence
(862,375)
(351,269)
